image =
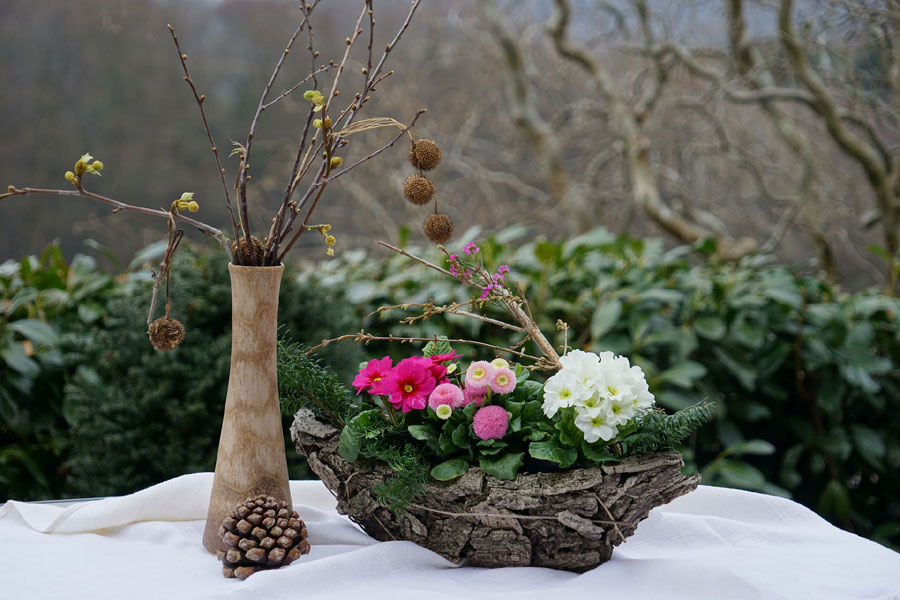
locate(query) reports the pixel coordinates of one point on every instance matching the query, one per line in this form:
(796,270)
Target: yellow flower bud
(329,240)
(327,122)
(499,363)
(330,252)
(193,206)
(309,94)
(80,167)
(97,165)
(181,204)
(336,162)
(70,176)
(317,123)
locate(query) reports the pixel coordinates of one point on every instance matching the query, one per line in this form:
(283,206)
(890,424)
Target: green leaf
(757,447)
(424,433)
(450,469)
(737,473)
(605,318)
(710,327)
(597,454)
(683,374)
(551,451)
(441,347)
(150,254)
(660,295)
(17,360)
(503,467)
(460,436)
(348,446)
(37,331)
(747,332)
(834,501)
(745,374)
(870,445)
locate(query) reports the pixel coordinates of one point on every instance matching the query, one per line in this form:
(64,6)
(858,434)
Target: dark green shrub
(139,416)
(806,378)
(41,299)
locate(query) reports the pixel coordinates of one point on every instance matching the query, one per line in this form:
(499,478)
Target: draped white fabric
(713,543)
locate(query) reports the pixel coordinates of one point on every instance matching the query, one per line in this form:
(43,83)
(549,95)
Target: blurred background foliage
(88,407)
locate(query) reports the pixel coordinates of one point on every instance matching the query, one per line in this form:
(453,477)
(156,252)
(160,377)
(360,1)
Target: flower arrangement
(494,415)
(435,439)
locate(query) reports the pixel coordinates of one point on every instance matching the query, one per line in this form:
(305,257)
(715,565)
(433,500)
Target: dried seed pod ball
(246,259)
(438,228)
(418,190)
(261,533)
(165,333)
(425,154)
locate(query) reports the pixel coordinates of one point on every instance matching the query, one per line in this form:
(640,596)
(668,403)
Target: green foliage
(43,300)
(303,382)
(658,431)
(785,357)
(138,416)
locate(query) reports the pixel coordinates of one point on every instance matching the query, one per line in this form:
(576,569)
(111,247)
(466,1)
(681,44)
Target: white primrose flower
(606,390)
(584,365)
(562,391)
(596,423)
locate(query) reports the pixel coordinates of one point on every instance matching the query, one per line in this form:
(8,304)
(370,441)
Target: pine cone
(261,533)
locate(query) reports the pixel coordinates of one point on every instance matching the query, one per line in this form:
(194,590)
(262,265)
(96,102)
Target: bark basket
(251,458)
(569,520)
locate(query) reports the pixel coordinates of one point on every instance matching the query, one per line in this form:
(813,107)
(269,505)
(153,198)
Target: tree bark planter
(251,458)
(568,520)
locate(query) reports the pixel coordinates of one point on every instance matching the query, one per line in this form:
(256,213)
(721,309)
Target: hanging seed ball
(418,190)
(438,228)
(246,259)
(425,154)
(261,533)
(165,333)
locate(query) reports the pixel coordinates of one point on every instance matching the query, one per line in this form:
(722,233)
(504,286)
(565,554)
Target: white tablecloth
(713,543)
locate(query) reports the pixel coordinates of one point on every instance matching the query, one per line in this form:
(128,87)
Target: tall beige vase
(251,458)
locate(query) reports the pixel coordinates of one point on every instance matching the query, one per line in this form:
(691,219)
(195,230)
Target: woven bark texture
(568,520)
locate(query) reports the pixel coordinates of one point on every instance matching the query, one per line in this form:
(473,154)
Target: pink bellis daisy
(475,395)
(503,381)
(372,375)
(490,422)
(409,384)
(448,394)
(478,374)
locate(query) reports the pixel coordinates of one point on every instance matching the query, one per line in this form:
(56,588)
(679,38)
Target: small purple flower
(503,270)
(471,248)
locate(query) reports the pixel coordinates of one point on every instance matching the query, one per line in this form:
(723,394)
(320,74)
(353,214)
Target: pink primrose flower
(442,358)
(448,394)
(503,381)
(490,422)
(471,248)
(409,384)
(372,376)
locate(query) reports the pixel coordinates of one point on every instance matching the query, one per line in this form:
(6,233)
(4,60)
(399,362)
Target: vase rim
(234,266)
